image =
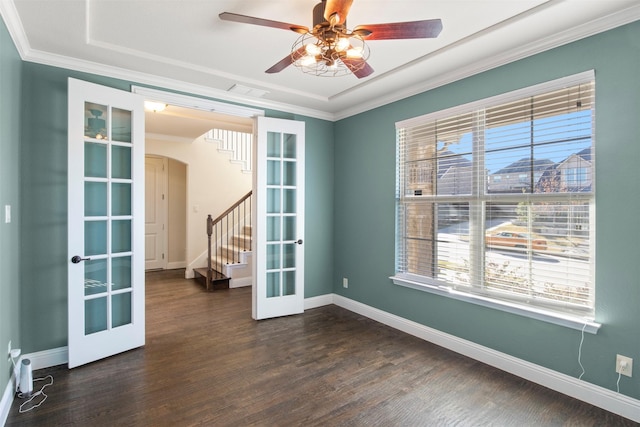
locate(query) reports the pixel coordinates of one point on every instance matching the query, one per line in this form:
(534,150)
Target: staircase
(229,248)
(238,145)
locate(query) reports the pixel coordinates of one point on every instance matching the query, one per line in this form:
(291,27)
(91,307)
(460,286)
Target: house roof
(583,154)
(524,165)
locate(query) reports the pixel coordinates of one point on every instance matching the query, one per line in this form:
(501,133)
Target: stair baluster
(233,220)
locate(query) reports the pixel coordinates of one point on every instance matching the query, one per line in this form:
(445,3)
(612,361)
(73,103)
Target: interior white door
(155,169)
(278,263)
(105,222)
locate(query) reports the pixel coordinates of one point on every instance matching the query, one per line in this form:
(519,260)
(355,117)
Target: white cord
(580,351)
(618,382)
(34,395)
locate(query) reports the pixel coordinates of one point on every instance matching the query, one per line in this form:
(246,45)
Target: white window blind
(497,198)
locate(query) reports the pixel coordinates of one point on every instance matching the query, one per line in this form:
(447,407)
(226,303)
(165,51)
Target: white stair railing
(238,144)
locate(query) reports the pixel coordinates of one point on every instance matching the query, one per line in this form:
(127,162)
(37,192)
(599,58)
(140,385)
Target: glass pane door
(281,214)
(106,222)
(280,218)
(107,218)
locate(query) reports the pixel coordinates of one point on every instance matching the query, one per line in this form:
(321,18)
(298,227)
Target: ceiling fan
(329,48)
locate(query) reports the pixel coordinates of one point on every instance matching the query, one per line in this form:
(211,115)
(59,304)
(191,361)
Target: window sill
(568,321)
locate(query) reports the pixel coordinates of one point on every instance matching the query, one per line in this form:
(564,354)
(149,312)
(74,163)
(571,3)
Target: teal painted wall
(44,200)
(10,78)
(364,223)
(350,207)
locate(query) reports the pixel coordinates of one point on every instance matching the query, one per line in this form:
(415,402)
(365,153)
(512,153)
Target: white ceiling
(183,45)
(186,124)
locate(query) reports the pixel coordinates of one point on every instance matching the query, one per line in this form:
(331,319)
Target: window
(495,200)
(575,176)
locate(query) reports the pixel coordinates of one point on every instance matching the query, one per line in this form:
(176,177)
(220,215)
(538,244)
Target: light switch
(7,214)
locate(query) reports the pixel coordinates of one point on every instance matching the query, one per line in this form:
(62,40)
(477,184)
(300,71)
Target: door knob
(299,241)
(77,258)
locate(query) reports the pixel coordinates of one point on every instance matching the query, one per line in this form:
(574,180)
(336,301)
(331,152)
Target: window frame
(586,321)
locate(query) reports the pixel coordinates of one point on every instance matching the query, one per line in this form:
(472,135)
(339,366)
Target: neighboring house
(516,177)
(576,171)
(572,174)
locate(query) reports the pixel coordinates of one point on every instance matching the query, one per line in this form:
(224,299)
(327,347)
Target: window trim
(574,321)
(532,312)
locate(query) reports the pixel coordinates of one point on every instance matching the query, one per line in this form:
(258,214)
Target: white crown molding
(12,20)
(14,25)
(167,83)
(594,27)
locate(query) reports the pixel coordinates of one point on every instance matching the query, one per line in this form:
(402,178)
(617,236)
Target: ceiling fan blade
(286,61)
(339,8)
(234,17)
(429,28)
(355,66)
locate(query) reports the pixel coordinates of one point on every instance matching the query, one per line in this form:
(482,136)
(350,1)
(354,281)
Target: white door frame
(196,103)
(161,191)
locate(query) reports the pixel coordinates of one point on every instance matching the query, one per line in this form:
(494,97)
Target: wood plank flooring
(207,363)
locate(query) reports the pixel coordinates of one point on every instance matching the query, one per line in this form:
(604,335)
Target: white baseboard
(319,301)
(48,358)
(240,282)
(7,400)
(176,265)
(39,360)
(595,395)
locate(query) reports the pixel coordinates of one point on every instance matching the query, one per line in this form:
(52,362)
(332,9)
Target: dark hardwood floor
(207,363)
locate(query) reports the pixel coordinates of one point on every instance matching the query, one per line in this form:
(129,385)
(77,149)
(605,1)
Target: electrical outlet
(345,282)
(624,365)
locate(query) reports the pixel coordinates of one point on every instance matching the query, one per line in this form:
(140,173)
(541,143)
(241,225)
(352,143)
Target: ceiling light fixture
(156,107)
(330,49)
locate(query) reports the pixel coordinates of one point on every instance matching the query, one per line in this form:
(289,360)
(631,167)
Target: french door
(105,222)
(278,260)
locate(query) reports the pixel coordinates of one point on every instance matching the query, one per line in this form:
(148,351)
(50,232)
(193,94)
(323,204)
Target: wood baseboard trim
(590,393)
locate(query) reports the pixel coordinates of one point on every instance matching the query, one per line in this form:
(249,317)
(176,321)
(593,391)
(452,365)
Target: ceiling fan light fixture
(313,49)
(342,51)
(308,60)
(354,52)
(315,54)
(342,44)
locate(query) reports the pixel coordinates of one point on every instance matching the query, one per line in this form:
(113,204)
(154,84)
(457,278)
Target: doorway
(210,182)
(165,213)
